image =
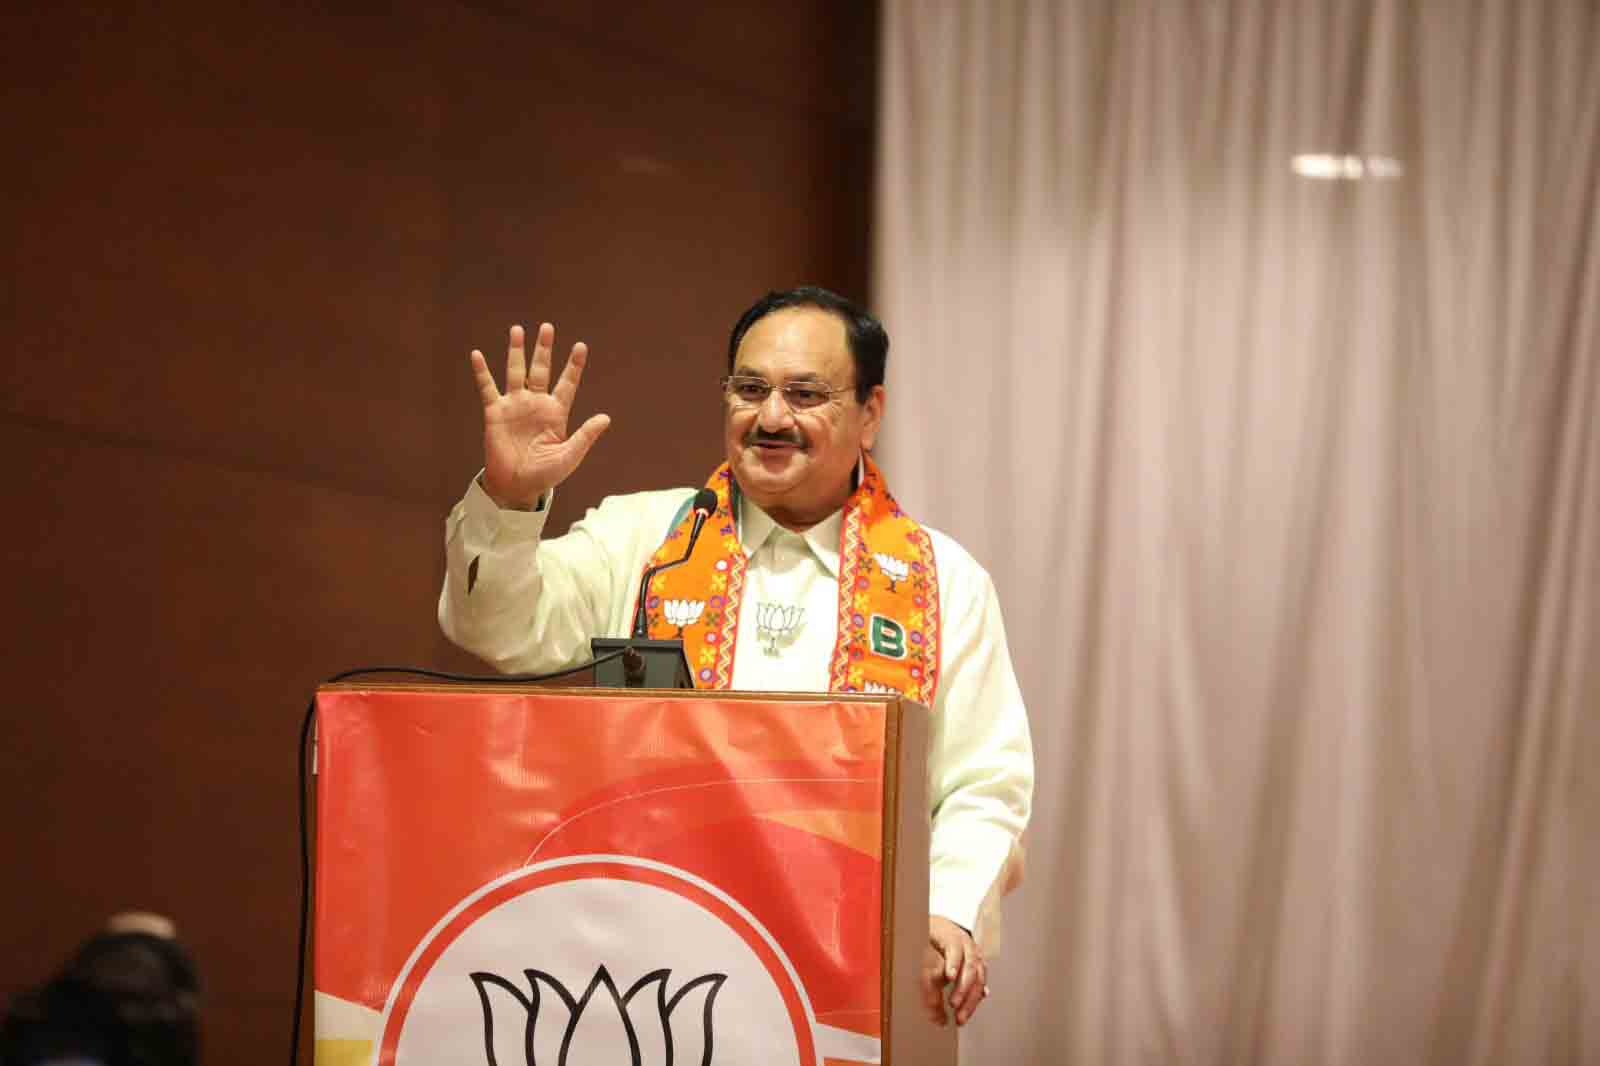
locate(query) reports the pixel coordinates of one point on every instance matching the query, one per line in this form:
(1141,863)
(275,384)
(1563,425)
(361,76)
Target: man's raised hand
(526,449)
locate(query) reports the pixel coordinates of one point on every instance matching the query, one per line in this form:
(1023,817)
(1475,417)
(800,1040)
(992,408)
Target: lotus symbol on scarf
(643,1026)
(682,613)
(894,569)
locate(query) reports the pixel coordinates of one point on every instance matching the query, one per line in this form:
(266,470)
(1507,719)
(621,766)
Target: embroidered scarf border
(889,624)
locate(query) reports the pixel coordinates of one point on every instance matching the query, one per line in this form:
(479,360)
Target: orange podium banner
(516,876)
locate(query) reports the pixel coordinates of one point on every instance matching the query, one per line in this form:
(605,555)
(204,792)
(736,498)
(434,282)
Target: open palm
(526,448)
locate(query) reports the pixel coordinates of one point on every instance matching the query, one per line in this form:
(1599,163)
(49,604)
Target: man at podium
(809,577)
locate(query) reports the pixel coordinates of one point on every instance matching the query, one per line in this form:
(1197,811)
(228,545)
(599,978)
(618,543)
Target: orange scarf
(888,594)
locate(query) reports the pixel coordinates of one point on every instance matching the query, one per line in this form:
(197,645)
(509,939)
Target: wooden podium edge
(909,1037)
(893,742)
(538,688)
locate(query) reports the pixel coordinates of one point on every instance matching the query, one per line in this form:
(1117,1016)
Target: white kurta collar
(756,526)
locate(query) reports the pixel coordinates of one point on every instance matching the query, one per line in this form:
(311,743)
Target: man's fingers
(566,389)
(480,374)
(969,991)
(961,970)
(516,365)
(935,1004)
(958,969)
(933,986)
(583,439)
(953,950)
(964,1015)
(539,365)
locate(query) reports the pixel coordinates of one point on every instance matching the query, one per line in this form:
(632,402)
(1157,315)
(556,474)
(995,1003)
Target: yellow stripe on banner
(343,1052)
(861,830)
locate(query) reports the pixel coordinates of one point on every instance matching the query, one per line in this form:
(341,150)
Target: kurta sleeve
(980,760)
(525,603)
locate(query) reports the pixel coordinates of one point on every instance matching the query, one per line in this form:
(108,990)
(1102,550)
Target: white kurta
(528,605)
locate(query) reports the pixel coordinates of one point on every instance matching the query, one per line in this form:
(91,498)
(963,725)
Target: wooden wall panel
(228,237)
(172,626)
(640,208)
(249,249)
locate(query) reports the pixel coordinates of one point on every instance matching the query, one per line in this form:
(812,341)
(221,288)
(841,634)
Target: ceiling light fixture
(1326,167)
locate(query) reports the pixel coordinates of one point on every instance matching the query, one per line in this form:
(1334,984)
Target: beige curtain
(1291,488)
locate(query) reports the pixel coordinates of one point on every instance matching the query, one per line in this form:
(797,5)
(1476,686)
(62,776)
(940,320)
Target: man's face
(797,465)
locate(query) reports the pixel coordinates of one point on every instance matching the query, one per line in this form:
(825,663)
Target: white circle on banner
(598,961)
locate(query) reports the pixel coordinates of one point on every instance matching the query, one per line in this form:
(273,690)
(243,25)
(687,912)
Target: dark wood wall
(249,251)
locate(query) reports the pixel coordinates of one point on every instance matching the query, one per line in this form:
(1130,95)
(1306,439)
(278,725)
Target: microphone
(632,661)
(704,505)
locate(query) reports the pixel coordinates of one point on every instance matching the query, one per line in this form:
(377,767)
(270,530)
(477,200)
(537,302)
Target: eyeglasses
(799,395)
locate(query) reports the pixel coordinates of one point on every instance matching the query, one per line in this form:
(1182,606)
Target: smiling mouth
(770,445)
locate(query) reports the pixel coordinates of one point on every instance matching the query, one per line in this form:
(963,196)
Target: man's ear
(872,416)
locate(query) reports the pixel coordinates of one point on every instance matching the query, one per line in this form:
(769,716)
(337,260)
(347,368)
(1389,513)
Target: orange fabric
(888,594)
(428,796)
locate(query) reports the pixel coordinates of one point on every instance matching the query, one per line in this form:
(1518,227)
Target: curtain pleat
(1291,489)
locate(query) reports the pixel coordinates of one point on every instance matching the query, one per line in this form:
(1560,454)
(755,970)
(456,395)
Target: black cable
(305,833)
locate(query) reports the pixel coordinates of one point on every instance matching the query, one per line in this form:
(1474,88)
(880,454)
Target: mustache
(761,436)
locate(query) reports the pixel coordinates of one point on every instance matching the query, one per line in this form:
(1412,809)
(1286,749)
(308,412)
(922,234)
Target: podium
(524,876)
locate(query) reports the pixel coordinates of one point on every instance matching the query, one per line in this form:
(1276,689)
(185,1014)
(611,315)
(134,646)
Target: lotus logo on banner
(538,968)
(601,1025)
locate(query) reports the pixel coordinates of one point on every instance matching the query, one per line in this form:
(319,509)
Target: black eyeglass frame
(799,395)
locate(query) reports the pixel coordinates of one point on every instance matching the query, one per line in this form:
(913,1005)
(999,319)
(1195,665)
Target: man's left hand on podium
(952,966)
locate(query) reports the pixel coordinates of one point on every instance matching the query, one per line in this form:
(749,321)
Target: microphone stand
(647,663)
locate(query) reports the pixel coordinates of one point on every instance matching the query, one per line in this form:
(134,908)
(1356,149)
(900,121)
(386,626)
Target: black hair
(125,999)
(869,343)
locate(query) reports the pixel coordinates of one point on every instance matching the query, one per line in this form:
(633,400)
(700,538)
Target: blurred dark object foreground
(128,997)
